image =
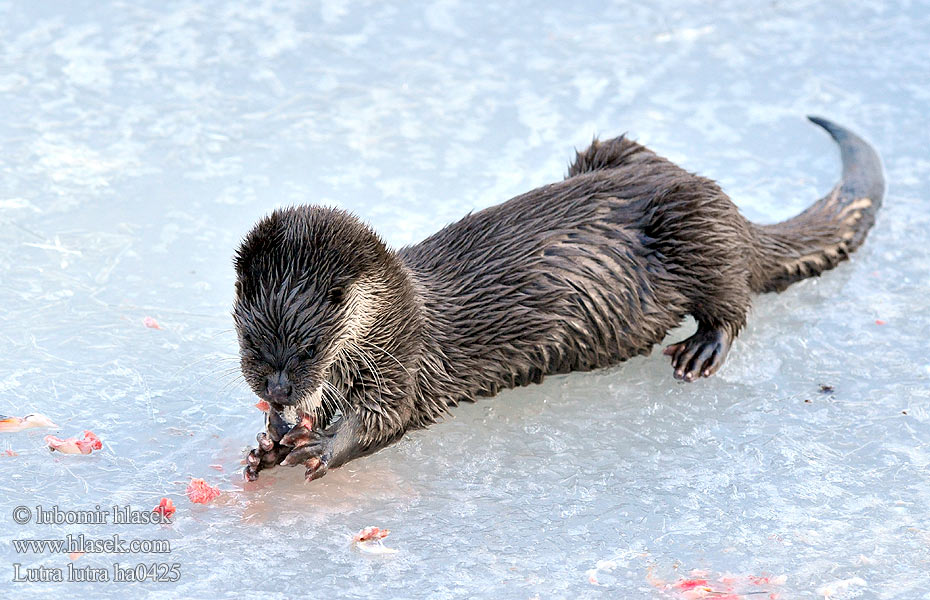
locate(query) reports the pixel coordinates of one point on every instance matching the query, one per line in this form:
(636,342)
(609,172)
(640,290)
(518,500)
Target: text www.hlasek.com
(112,545)
(80,544)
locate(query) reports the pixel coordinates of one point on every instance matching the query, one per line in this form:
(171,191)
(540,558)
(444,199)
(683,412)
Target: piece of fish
(369,541)
(165,507)
(14,424)
(200,492)
(88,444)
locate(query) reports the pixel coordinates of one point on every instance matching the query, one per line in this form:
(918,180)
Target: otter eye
(336,294)
(308,351)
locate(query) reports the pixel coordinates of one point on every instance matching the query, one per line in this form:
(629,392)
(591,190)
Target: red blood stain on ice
(200,492)
(690,584)
(9,452)
(880,322)
(262,406)
(701,586)
(216,467)
(766,580)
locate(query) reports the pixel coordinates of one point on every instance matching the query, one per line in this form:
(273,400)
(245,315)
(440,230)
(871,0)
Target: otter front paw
(700,355)
(268,454)
(310,447)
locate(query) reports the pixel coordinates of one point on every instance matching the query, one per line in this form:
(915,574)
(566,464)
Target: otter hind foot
(701,354)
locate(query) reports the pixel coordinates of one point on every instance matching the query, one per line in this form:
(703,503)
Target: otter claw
(316,468)
(297,437)
(300,435)
(303,455)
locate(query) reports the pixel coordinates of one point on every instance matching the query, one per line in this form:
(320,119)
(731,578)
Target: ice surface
(140,140)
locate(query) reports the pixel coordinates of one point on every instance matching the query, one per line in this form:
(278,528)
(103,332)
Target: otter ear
(336,294)
(338,289)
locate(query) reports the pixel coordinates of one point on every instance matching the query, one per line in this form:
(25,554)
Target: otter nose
(278,388)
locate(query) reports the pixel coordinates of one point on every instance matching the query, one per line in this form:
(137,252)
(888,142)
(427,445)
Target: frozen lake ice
(139,142)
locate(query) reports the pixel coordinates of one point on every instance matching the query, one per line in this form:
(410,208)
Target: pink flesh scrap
(88,444)
(151,323)
(14,424)
(371,533)
(200,492)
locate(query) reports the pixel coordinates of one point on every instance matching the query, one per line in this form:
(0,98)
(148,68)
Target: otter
(353,344)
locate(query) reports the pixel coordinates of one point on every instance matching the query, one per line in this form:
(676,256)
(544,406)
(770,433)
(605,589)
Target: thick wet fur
(353,343)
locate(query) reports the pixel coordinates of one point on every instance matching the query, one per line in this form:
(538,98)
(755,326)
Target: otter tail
(830,229)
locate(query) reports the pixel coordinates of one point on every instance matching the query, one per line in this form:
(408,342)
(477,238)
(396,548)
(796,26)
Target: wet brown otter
(357,343)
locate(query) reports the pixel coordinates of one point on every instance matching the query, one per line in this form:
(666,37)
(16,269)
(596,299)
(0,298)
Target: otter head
(310,282)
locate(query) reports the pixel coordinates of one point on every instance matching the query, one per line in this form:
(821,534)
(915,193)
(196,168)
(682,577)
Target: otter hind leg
(715,280)
(701,354)
(719,307)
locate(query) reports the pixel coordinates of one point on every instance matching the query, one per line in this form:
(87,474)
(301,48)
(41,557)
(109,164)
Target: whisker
(369,360)
(212,357)
(233,382)
(341,402)
(369,363)
(377,347)
(220,375)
